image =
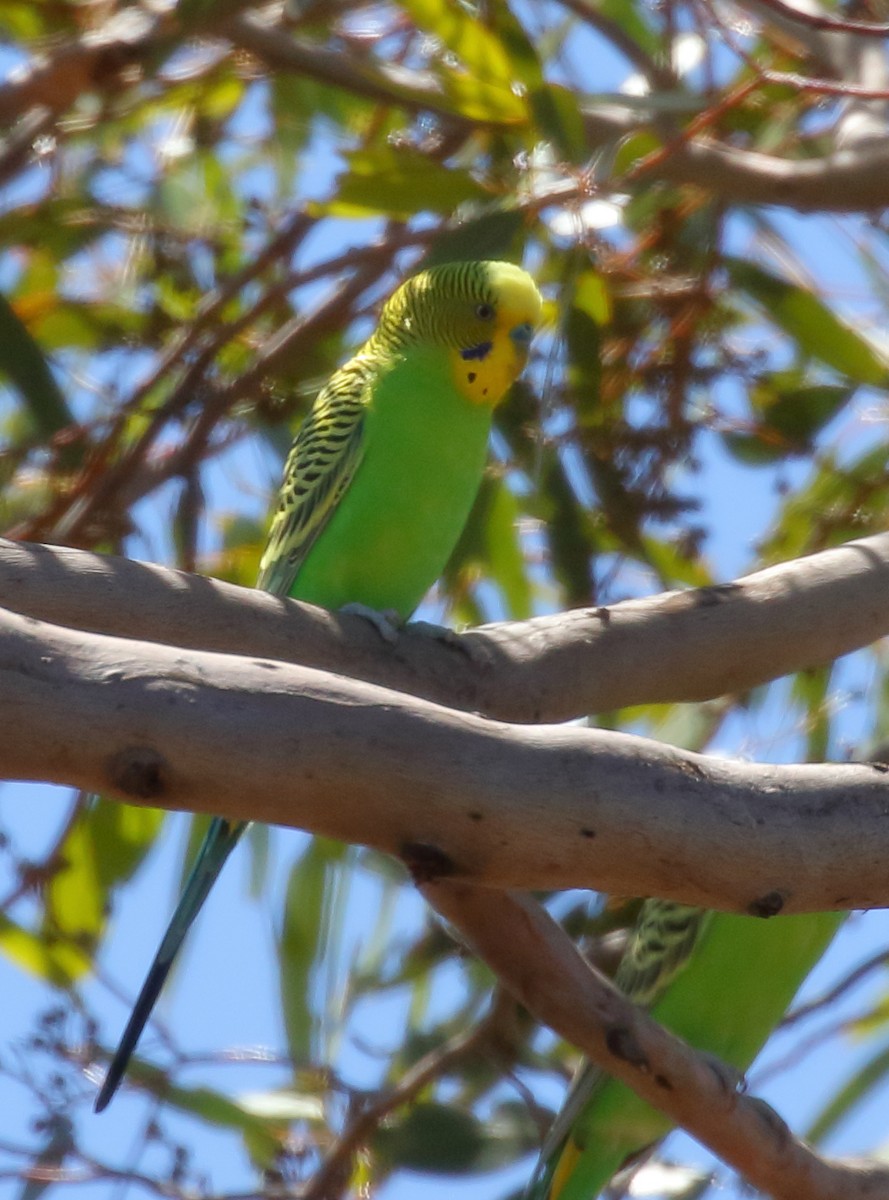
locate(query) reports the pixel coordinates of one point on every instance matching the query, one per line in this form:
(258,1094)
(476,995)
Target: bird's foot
(437,633)
(449,637)
(388,624)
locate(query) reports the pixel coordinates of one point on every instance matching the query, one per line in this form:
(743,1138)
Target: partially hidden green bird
(377,489)
(722,983)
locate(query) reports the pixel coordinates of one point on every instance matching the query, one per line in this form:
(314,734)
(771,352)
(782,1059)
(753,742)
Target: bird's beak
(521,336)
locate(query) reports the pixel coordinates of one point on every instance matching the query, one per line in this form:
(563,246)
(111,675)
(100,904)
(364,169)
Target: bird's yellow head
(484,313)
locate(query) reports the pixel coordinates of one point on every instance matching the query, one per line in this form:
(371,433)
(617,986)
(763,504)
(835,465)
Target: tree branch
(95,61)
(537,961)
(846,181)
(677,646)
(451,793)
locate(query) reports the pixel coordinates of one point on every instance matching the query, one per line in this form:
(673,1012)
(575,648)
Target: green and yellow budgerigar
(720,981)
(377,489)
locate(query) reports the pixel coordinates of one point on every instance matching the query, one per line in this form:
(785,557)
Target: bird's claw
(449,637)
(388,624)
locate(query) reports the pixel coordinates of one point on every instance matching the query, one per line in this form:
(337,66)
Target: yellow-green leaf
(56,960)
(401,182)
(814,327)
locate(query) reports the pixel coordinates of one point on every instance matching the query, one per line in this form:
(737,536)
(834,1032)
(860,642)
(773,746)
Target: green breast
(394,528)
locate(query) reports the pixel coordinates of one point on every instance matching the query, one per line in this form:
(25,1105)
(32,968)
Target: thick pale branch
(536,960)
(680,646)
(450,792)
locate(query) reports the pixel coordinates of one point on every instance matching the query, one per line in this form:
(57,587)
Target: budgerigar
(722,982)
(378,487)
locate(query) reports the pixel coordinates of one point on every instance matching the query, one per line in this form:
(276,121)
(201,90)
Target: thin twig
(801,16)
(432,1066)
(828,998)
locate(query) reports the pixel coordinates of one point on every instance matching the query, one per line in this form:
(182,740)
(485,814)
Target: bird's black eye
(484,312)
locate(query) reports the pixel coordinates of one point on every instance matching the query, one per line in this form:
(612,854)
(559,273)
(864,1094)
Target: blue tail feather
(221,839)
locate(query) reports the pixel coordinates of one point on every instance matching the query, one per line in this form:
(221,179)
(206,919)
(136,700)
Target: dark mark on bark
(766,906)
(622,1044)
(775,1123)
(138,771)
(708,597)
(427,863)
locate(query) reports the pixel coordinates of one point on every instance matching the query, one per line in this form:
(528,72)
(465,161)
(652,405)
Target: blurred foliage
(200,210)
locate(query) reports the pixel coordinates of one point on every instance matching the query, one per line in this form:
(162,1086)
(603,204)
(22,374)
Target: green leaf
(195,14)
(811,689)
(553,108)
(673,564)
(197,831)
(25,21)
(505,559)
(490,541)
(583,323)
(840,501)
(243,540)
(75,899)
(482,85)
(688,725)
(286,1105)
(789,416)
(432,1137)
(799,413)
(258,839)
(366,971)
(313,916)
(66,224)
(400,182)
(22,360)
(570,534)
(263,1137)
(299,104)
(633,149)
(196,196)
(57,960)
(122,835)
(862,1084)
(496,234)
(86,326)
(559,120)
(479,50)
(105,844)
(633,19)
(818,332)
(591,295)
(446,1140)
(477,100)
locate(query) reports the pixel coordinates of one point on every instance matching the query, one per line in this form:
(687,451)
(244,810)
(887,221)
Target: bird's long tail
(221,838)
